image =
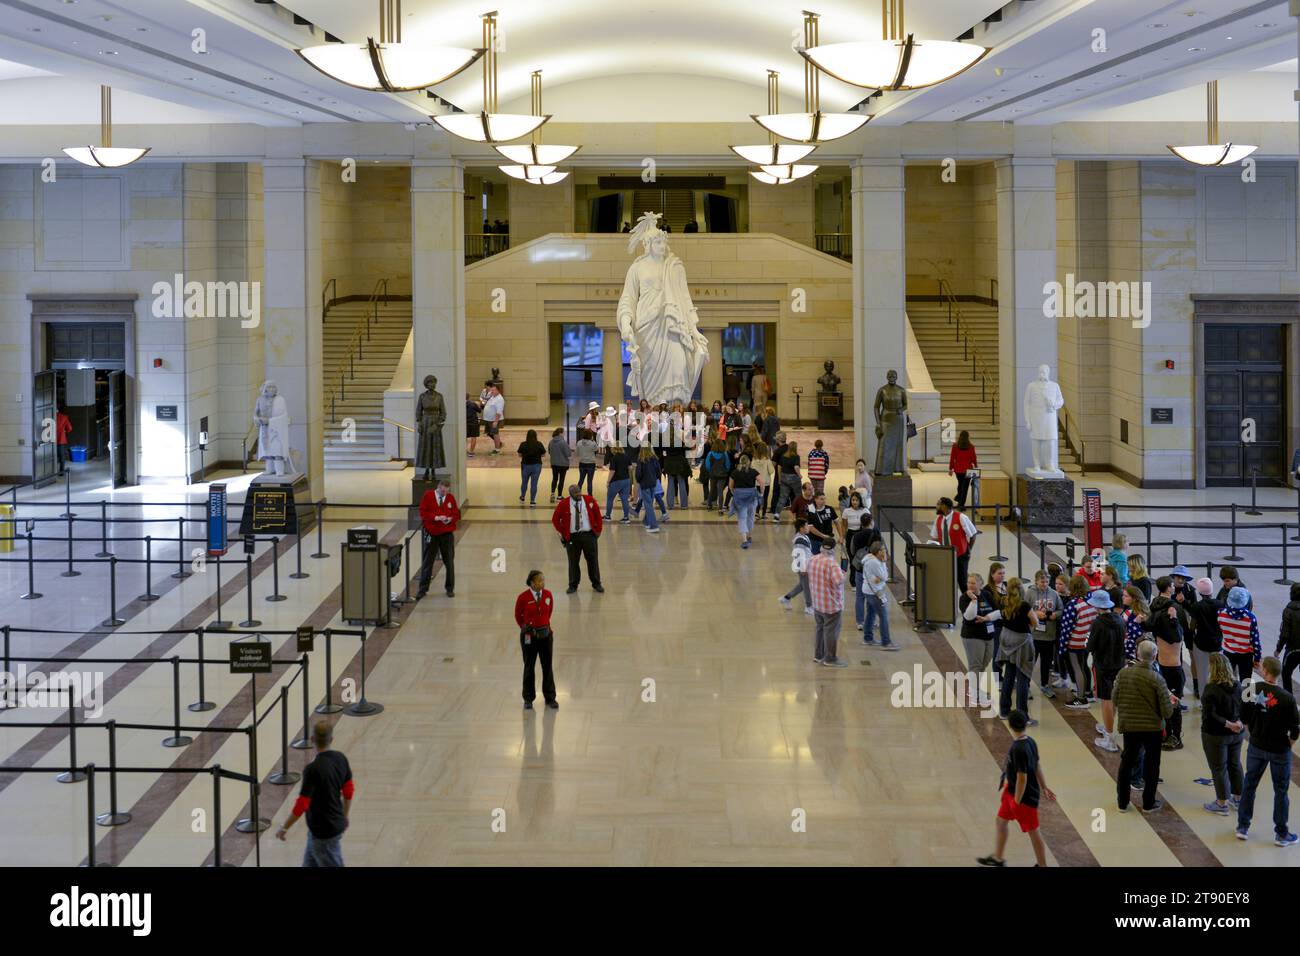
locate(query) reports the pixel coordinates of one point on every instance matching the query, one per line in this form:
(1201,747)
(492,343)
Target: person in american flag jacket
(1240,629)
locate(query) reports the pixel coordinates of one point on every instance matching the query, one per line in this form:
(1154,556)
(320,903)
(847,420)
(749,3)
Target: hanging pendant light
(1212,152)
(773,153)
(897,61)
(388,65)
(811,126)
(535,163)
(489,126)
(106,155)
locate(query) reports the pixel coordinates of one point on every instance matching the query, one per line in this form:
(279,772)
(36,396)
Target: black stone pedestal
(1046,504)
(894,493)
(830,411)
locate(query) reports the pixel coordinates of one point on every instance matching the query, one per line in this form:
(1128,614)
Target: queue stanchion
(1232,514)
(90,816)
(1254,511)
(67,494)
(73,774)
(1020,551)
(997,532)
(148,594)
(112,818)
(405,599)
(284,776)
(329,707)
(70,573)
(275,572)
(1042,553)
(32,594)
(1175,553)
(254,822)
(363,707)
(1296,536)
(320,531)
(112,620)
(103,531)
(1151,558)
(297,547)
(182,566)
(1286,577)
(202,704)
(891,552)
(216,815)
(7,669)
(304,742)
(219,624)
(177,739)
(250,621)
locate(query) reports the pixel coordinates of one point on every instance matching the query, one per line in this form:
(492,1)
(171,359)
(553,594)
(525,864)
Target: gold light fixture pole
(490,62)
(1212,152)
(811,78)
(105,116)
(773,99)
(105,155)
(1212,111)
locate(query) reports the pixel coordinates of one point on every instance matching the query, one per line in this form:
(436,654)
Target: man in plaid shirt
(826,582)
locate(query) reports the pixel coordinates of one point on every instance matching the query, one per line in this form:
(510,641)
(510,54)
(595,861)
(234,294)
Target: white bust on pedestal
(1042,401)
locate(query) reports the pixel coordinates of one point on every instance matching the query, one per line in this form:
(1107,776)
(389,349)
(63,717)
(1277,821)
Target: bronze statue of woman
(430,414)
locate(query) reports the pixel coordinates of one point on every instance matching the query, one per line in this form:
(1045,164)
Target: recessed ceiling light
(1265,26)
(141,29)
(108,53)
(1227,38)
(1196,49)
(1158,26)
(1119,76)
(34,29)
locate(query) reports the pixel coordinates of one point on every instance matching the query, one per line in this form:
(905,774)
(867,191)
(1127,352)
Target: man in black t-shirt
(326,799)
(1022,786)
(821,524)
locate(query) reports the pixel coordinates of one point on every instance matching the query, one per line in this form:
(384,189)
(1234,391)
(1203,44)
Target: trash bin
(7,531)
(78,452)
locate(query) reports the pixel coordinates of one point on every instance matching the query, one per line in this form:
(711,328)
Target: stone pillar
(291,316)
(1026,263)
(611,379)
(711,377)
(879,290)
(438,297)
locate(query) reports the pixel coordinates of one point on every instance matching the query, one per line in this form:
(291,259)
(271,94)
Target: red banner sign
(1092,518)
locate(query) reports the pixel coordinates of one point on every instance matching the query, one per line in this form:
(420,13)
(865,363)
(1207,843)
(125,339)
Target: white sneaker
(784,602)
(808,611)
(1106,743)
(652,530)
(986,700)
(859,627)
(1101,729)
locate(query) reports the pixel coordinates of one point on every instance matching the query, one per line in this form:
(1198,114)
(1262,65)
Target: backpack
(718,467)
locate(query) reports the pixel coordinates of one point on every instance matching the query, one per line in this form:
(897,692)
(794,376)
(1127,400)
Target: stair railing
(325,299)
(1076,445)
(398,428)
(345,369)
(923,433)
(962,333)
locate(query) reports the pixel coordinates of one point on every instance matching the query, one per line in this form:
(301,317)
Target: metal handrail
(325,299)
(248,436)
(922,432)
(978,371)
(346,367)
(1081,448)
(399,425)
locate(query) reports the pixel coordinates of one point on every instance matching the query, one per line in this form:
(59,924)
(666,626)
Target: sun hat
(1181,572)
(1100,599)
(1238,598)
(1204,587)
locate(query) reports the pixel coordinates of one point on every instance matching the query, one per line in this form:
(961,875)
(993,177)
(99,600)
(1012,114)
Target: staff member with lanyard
(439,514)
(577,519)
(533,615)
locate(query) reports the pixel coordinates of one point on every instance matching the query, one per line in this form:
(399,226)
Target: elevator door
(1245,404)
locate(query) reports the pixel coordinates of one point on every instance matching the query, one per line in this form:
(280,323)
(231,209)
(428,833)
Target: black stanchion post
(253,823)
(1254,508)
(216,815)
(250,621)
(320,531)
(297,547)
(284,776)
(182,566)
(329,707)
(177,739)
(70,573)
(997,531)
(112,818)
(148,594)
(1151,558)
(201,705)
(112,620)
(1233,516)
(1174,563)
(304,742)
(1114,518)
(1286,577)
(103,530)
(219,624)
(6,643)
(72,774)
(891,552)
(275,572)
(363,707)
(1042,554)
(32,594)
(67,495)
(1020,551)
(90,816)
(1296,536)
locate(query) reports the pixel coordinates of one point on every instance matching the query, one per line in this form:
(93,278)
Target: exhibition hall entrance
(576,373)
(1245,404)
(747,347)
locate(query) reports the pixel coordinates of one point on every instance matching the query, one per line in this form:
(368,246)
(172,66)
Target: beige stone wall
(239,258)
(786,210)
(538,210)
(366,228)
(734,278)
(951,229)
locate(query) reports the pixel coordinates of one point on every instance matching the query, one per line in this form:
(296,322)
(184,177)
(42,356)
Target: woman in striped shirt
(1240,633)
(1076,621)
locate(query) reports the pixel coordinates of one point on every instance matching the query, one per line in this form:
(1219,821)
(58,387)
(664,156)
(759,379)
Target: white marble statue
(1042,401)
(657,320)
(271,416)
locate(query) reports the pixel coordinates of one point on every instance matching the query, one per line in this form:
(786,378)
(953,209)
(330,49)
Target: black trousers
(1174,678)
(557,480)
(438,546)
(1045,651)
(963,486)
(1242,664)
(536,649)
(583,544)
(1289,663)
(963,571)
(1148,741)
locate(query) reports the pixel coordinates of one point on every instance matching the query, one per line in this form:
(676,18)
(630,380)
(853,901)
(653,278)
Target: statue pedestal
(830,411)
(1046,504)
(278,505)
(894,493)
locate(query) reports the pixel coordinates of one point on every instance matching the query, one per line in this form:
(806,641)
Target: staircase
(676,205)
(361,397)
(961,397)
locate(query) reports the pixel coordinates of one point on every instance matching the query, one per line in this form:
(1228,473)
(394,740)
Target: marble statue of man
(1042,401)
(890,409)
(658,321)
(430,414)
(271,416)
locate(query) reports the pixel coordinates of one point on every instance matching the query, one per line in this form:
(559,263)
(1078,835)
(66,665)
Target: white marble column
(879,290)
(711,377)
(611,378)
(291,318)
(1026,189)
(438,293)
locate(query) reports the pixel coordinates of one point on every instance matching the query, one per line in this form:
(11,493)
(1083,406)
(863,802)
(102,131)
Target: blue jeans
(678,491)
(746,501)
(650,521)
(875,611)
(1013,677)
(527,474)
(658,492)
(323,852)
(587,473)
(859,600)
(1280,766)
(620,489)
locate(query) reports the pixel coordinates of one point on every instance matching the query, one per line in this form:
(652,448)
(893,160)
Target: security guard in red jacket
(533,615)
(439,514)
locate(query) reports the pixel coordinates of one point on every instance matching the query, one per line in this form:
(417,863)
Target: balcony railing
(480,245)
(836,244)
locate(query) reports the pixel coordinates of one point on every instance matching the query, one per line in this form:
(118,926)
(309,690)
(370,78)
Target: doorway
(1245,403)
(576,370)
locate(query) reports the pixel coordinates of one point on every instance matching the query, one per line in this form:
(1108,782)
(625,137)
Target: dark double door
(1245,404)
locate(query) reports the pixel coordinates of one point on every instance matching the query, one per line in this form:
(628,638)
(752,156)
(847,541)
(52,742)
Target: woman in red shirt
(533,610)
(961,461)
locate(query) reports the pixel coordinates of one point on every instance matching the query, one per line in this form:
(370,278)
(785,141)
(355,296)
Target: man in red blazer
(439,514)
(578,520)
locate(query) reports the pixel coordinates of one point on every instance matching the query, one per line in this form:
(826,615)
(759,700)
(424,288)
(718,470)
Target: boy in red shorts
(1022,785)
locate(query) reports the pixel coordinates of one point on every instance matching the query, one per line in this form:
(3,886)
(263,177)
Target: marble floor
(693,727)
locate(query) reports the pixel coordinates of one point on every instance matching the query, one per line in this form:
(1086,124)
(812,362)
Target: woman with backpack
(1016,650)
(716,467)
